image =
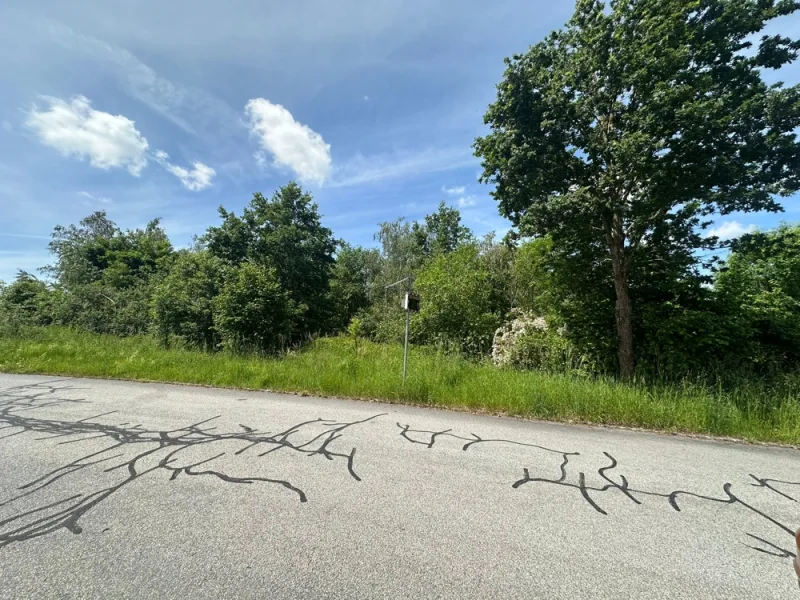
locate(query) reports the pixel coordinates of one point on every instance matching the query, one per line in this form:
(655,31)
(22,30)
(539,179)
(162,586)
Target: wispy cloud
(24,235)
(94,199)
(194,180)
(191,109)
(361,170)
(467,201)
(454,191)
(730,230)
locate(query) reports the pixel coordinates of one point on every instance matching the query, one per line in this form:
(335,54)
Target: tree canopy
(625,130)
(285,234)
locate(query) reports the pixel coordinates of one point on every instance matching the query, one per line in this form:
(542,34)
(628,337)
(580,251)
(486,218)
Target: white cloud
(199,178)
(731,229)
(290,143)
(74,128)
(94,199)
(366,98)
(467,201)
(454,191)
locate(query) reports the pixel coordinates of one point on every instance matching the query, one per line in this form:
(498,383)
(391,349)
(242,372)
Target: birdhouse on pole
(411,302)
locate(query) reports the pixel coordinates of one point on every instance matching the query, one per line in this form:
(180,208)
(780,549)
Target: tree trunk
(624,310)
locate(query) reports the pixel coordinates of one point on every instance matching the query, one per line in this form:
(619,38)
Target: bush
(101,309)
(530,342)
(252,312)
(27,301)
(457,302)
(183,301)
(760,288)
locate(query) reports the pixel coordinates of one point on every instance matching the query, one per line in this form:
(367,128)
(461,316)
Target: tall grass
(339,367)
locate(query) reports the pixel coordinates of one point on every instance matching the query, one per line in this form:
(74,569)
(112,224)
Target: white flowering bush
(528,341)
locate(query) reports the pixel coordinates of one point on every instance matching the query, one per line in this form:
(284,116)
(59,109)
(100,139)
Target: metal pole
(408,318)
(405,351)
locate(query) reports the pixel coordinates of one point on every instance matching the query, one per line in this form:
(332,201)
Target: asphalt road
(129,490)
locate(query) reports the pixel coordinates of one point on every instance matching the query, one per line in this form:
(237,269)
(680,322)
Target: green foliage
(546,351)
(283,234)
(27,301)
(760,287)
(97,251)
(456,302)
(533,278)
(252,312)
(402,253)
(498,259)
(104,309)
(442,231)
(355,329)
(618,134)
(182,303)
(269,279)
(104,276)
(351,283)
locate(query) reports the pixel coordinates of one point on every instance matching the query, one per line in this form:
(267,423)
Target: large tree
(442,231)
(285,234)
(631,126)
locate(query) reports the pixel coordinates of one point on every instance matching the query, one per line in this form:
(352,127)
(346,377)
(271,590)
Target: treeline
(275,277)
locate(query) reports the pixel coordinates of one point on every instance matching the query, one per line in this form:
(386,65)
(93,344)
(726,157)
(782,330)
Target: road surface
(128,490)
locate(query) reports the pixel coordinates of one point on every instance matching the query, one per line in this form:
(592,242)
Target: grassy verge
(335,367)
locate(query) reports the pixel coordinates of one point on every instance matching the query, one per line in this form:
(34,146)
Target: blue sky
(170,108)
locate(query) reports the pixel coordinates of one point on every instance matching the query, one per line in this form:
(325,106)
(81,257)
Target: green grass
(334,367)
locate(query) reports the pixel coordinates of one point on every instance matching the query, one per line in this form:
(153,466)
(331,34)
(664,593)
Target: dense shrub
(27,301)
(252,312)
(760,288)
(528,341)
(182,304)
(104,309)
(456,302)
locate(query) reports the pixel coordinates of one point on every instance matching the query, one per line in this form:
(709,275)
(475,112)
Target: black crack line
(672,498)
(229,479)
(767,483)
(586,491)
(135,446)
(111,412)
(406,432)
(37,484)
(776,550)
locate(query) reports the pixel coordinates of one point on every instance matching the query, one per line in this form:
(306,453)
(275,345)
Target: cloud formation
(291,144)
(467,201)
(74,128)
(94,199)
(454,191)
(364,170)
(730,230)
(199,178)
